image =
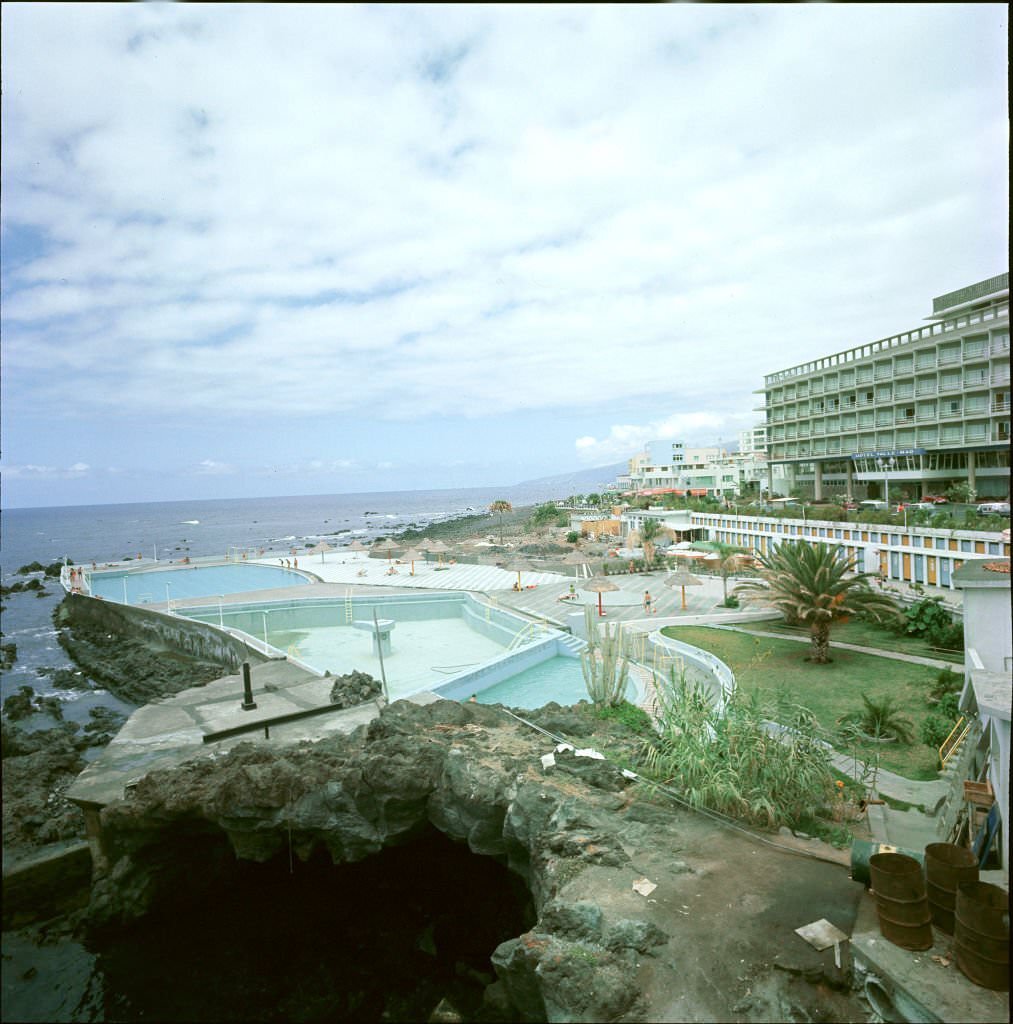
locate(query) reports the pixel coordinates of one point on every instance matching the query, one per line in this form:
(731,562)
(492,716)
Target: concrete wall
(159,629)
(702,667)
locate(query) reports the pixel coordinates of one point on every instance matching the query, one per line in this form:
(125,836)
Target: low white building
(988,685)
(672,467)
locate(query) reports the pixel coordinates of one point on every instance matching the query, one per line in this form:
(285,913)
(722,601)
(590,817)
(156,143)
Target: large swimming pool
(156,586)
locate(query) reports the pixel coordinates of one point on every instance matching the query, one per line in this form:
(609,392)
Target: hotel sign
(889,455)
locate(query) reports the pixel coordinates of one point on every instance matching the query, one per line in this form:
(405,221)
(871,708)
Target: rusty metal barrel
(862,850)
(947,867)
(982,934)
(902,903)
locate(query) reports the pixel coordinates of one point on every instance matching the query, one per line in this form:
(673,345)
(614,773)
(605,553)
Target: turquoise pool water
(557,679)
(149,587)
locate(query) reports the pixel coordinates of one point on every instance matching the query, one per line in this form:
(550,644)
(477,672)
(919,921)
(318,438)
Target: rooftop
(983,572)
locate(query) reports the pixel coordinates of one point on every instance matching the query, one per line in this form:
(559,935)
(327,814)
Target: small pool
(558,679)
(150,586)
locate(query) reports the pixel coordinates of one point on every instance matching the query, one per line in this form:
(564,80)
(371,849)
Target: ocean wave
(189,522)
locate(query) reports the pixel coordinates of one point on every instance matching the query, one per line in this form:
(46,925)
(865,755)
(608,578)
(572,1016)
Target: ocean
(172,529)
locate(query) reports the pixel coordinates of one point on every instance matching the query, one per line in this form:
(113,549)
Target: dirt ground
(731,905)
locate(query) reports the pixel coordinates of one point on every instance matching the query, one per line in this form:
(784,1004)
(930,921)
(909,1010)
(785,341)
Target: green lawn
(865,634)
(829,691)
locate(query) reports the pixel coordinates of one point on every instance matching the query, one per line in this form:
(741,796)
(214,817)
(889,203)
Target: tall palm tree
(501,506)
(813,585)
(649,529)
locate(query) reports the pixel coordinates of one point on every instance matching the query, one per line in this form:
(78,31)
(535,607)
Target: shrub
(946,682)
(881,718)
(731,601)
(629,714)
(572,537)
(732,761)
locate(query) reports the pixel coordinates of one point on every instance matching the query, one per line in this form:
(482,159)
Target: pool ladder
(348,605)
(526,635)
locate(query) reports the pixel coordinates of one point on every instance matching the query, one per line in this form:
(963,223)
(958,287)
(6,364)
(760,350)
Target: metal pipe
(379,651)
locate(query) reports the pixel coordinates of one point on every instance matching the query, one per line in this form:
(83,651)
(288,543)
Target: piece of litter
(644,887)
(943,961)
(588,752)
(627,774)
(548,761)
(560,747)
(821,934)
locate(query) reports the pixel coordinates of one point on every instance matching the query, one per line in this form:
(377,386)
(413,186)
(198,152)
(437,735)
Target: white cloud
(474,212)
(209,467)
(625,440)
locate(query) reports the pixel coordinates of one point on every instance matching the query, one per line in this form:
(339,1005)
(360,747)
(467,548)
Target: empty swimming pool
(156,586)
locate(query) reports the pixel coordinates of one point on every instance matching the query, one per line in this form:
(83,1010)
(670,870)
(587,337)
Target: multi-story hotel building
(911,413)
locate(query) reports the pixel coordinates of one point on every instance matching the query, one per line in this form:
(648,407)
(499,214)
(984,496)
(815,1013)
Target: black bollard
(248,702)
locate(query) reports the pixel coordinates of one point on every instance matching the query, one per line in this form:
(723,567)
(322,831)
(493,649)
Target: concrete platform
(166,733)
(924,986)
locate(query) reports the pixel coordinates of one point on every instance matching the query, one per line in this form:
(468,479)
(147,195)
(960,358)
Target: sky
(268,250)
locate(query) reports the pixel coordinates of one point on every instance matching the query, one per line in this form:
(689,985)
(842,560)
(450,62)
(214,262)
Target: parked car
(911,506)
(994,508)
(869,505)
(849,505)
(936,499)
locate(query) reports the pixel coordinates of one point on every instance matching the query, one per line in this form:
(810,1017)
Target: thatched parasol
(387,547)
(321,547)
(576,558)
(683,579)
(434,546)
(409,556)
(519,565)
(357,545)
(598,585)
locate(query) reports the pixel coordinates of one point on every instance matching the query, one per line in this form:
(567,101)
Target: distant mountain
(561,485)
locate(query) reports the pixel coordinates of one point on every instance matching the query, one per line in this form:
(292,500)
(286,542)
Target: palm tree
(732,559)
(501,507)
(812,584)
(650,528)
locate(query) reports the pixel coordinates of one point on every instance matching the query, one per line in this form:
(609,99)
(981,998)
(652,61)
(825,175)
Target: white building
(988,662)
(672,467)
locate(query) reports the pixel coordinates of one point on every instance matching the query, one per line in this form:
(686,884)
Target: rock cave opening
(386,938)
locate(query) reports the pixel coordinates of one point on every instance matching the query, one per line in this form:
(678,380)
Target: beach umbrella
(683,579)
(598,585)
(409,556)
(321,547)
(519,565)
(357,545)
(386,547)
(576,558)
(435,546)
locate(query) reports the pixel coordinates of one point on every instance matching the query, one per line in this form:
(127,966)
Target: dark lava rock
(130,667)
(467,769)
(355,688)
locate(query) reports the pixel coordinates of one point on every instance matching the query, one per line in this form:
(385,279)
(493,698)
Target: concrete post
(818,481)
(849,469)
(921,469)
(248,702)
(972,480)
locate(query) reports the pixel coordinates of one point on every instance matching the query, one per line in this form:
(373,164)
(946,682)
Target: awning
(681,527)
(698,492)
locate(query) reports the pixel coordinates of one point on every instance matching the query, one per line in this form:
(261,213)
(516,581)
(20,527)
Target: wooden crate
(979,793)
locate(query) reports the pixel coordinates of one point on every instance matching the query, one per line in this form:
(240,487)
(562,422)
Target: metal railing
(951,744)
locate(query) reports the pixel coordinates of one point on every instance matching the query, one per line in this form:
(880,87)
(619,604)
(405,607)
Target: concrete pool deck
(166,733)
